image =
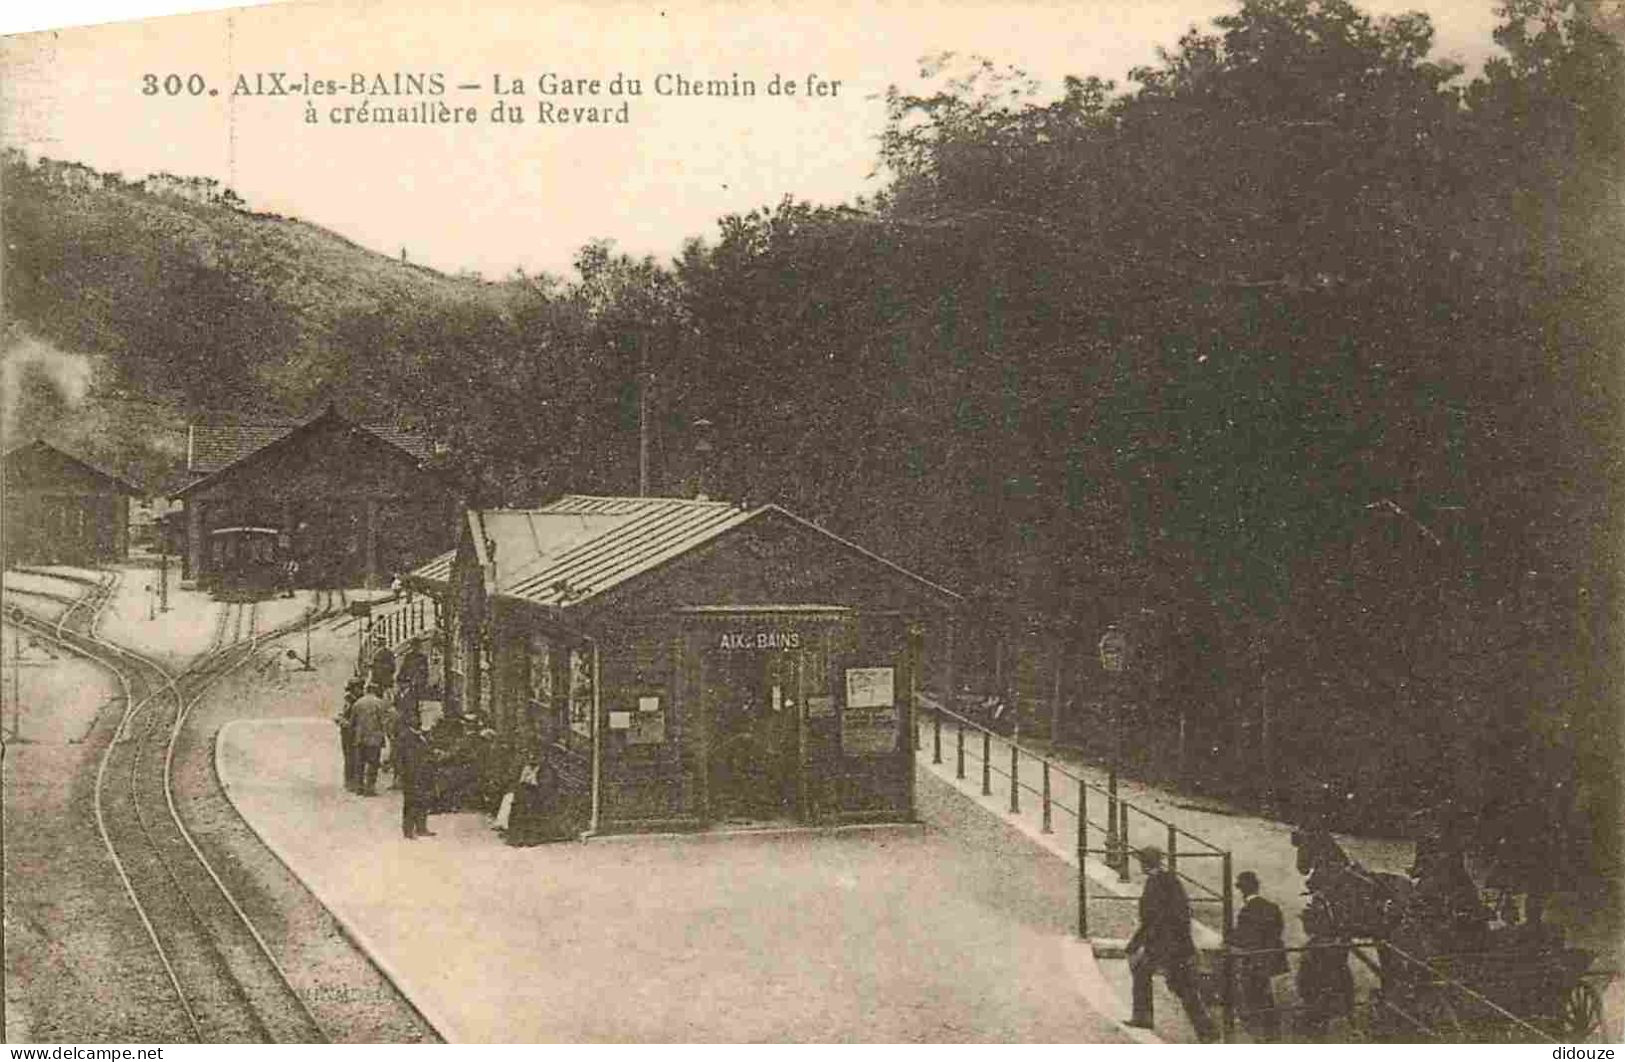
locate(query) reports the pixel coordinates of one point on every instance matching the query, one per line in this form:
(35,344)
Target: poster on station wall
(869,720)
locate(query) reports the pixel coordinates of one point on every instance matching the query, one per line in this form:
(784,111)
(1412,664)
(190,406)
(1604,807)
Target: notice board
(869,720)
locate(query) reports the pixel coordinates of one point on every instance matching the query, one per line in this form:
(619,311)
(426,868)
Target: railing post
(987,763)
(1122,840)
(1116,853)
(1173,848)
(936,737)
(1047,826)
(1083,856)
(959,767)
(1015,778)
(1226,913)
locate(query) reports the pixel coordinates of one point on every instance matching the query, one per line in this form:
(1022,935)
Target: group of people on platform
(1162,943)
(457,764)
(382,709)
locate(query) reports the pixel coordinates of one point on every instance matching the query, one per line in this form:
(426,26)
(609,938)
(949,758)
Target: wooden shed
(350,503)
(682,663)
(60,509)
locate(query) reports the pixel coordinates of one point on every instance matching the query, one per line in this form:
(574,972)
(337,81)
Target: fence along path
(1042,798)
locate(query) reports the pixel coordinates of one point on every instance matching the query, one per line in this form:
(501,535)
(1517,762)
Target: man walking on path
(1259,928)
(414,767)
(1162,941)
(371,725)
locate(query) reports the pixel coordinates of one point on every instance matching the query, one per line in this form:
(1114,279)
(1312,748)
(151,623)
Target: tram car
(247,561)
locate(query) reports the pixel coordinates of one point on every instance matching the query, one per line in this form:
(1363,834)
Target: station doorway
(754,713)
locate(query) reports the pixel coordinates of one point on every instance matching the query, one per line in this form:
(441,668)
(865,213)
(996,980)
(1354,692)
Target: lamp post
(1113,654)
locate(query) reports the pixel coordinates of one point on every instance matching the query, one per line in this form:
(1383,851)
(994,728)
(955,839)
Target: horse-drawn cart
(1514,991)
(1445,967)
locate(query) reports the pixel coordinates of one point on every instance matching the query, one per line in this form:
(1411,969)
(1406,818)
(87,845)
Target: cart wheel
(1580,1012)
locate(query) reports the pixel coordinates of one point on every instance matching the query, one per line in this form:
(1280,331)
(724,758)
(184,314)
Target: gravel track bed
(354,1002)
(79,965)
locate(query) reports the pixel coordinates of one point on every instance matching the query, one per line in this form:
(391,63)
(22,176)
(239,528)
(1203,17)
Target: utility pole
(643,415)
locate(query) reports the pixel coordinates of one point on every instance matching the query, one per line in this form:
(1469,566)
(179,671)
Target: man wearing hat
(1259,926)
(1163,942)
(346,724)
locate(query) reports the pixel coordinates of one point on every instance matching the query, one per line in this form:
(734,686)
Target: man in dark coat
(1163,942)
(382,672)
(414,764)
(346,724)
(411,680)
(414,667)
(1259,928)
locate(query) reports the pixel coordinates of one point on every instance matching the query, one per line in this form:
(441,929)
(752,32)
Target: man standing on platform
(1259,927)
(371,726)
(414,768)
(382,672)
(1163,942)
(412,676)
(346,723)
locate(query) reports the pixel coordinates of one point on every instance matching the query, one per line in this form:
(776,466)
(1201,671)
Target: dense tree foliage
(1298,359)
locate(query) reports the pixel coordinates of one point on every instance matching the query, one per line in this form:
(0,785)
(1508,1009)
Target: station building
(60,509)
(352,504)
(682,663)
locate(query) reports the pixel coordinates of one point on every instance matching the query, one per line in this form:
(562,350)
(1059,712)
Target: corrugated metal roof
(524,542)
(645,532)
(580,546)
(436,570)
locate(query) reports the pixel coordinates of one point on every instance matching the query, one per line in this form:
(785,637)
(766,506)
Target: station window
(541,707)
(581,692)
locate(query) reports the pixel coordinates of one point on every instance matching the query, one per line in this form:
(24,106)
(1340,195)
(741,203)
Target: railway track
(226,979)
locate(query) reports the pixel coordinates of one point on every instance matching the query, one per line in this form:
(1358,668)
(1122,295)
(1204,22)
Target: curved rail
(131,707)
(213,666)
(183,709)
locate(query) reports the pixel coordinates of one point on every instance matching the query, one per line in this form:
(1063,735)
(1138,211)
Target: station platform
(957,931)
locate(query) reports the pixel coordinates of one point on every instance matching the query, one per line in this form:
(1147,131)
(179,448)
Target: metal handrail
(931,704)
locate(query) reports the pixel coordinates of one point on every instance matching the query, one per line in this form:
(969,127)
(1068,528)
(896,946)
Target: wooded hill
(1298,360)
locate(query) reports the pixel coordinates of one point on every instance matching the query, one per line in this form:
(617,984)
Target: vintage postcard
(920,522)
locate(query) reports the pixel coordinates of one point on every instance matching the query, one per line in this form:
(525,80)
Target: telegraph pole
(643,415)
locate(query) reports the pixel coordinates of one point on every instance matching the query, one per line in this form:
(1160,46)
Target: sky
(494,197)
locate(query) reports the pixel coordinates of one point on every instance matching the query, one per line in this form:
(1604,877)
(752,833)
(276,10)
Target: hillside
(136,303)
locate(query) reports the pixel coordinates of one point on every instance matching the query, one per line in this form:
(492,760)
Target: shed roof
(580,546)
(38,449)
(212,447)
(213,450)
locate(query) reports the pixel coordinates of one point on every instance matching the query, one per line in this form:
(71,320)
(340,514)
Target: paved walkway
(955,931)
(1261,845)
